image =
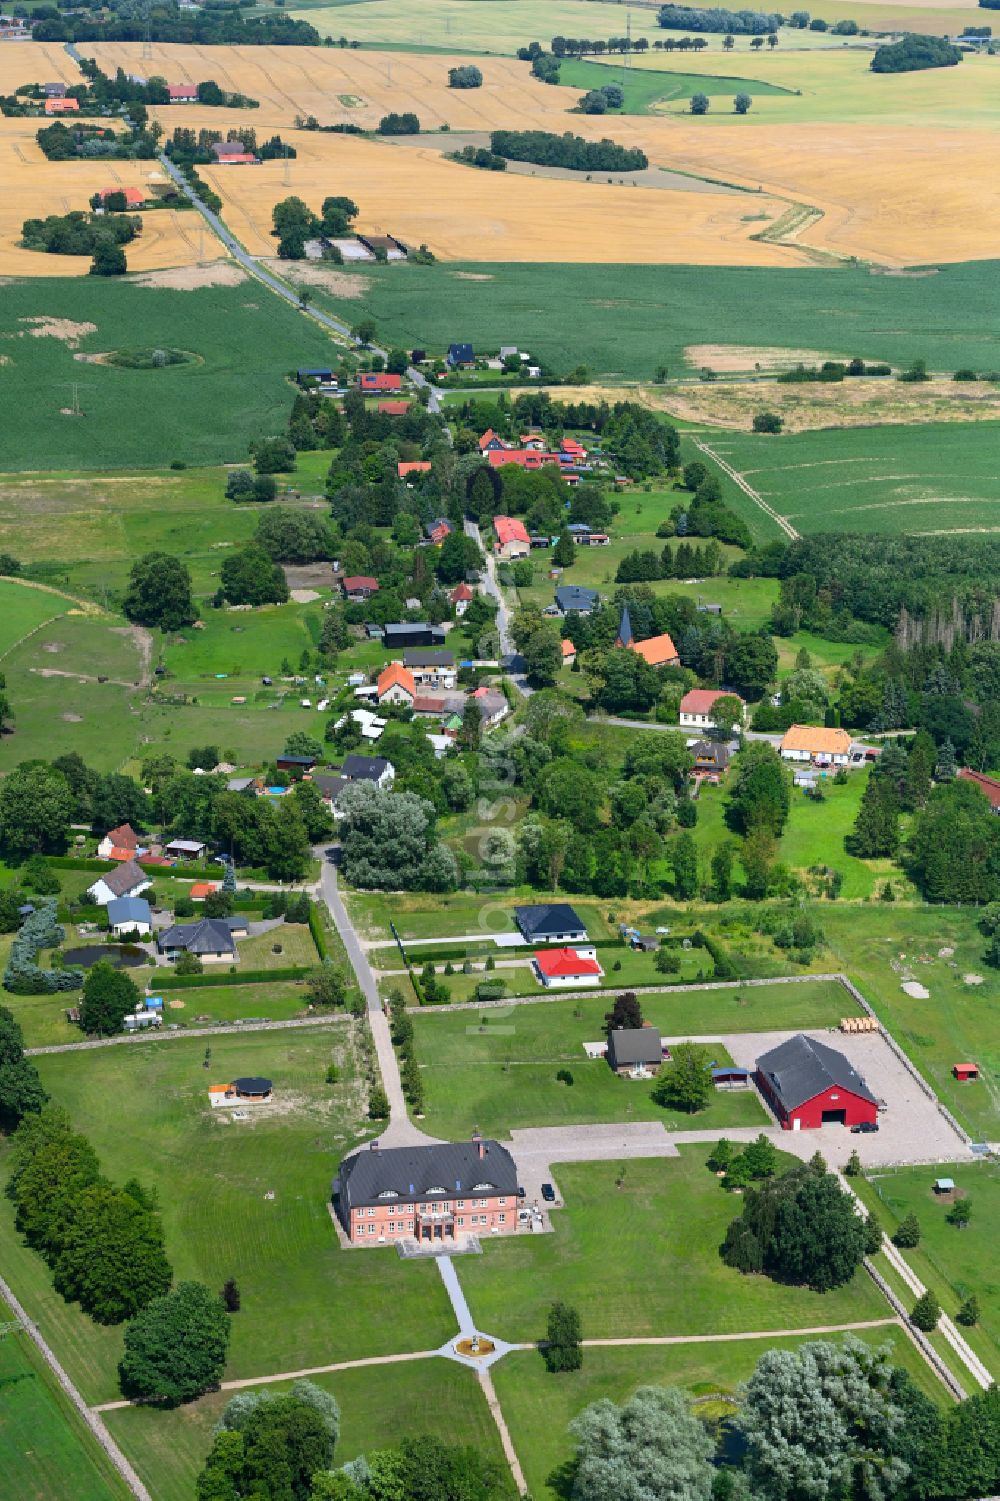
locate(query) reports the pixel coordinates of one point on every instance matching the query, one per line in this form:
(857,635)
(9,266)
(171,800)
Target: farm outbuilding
(966,1073)
(808,1084)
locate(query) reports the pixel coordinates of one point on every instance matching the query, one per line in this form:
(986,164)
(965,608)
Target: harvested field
(467,215)
(190,278)
(34,188)
(851,403)
(308,274)
(735,359)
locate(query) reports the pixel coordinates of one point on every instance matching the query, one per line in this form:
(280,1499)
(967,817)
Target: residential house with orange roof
(396,685)
(568,652)
(411,466)
(491,442)
(120,844)
(512,540)
(67,106)
(134,197)
(696,707)
(811,742)
(461,598)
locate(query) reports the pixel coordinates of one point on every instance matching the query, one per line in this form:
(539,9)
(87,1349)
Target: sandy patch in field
(191,278)
(736,358)
(304,596)
(471,275)
(58,328)
(309,274)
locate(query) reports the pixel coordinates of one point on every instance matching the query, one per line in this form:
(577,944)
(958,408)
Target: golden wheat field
(884,189)
(31,187)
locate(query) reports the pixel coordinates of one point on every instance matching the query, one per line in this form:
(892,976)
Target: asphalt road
(508,653)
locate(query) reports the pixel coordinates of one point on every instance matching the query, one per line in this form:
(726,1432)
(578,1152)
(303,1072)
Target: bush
(767,422)
(907,1233)
(926,1313)
(550,150)
(467,77)
(393,124)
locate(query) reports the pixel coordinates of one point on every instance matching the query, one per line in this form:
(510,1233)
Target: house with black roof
(431,1194)
(460,354)
(550,922)
(809,1084)
(211,939)
(573,599)
(368,769)
(636,1051)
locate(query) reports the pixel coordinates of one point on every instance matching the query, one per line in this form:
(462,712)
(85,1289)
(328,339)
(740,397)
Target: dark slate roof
(627,1045)
(801,1068)
(363,768)
(538,921)
(625,635)
(428,658)
(461,352)
(253,1084)
(124,879)
(711,750)
(209,936)
(409,1174)
(330,787)
(575,597)
(128,909)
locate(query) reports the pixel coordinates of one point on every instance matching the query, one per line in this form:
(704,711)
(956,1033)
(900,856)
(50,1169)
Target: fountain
(475,1346)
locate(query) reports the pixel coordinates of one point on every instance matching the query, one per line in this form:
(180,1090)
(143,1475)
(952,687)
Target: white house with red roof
(396,685)
(134,197)
(461,598)
(183,93)
(696,707)
(512,540)
(491,442)
(120,844)
(568,652)
(567,967)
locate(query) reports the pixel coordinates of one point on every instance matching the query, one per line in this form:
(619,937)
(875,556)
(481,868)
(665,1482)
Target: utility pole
(627,55)
(75,388)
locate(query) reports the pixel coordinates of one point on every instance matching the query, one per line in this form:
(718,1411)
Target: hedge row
(99,867)
(242,977)
(316,929)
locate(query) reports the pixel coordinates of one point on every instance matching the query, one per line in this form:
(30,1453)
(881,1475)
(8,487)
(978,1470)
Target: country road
(508,653)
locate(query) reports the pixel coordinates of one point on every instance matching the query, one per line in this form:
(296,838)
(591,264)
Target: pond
(121,955)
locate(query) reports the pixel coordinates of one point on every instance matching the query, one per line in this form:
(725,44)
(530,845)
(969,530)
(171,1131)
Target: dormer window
(478,1188)
(388,1193)
(435,1190)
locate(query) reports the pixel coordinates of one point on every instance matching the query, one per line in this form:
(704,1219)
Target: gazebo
(253,1087)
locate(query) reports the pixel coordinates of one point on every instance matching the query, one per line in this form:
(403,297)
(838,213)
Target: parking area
(911,1128)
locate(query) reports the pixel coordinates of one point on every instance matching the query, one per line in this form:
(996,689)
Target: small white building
(129,916)
(566,968)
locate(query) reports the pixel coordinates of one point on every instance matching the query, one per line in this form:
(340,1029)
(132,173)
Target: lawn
(538,1407)
(49,1454)
(659,1228)
(23,609)
(879,946)
(305,1301)
(378,1408)
(658,311)
(502,1074)
(242,646)
(957,1263)
(418,915)
(646,88)
(935,477)
(204,412)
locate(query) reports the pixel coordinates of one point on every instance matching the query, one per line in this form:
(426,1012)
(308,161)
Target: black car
(548,1193)
(864,1128)
(520,1193)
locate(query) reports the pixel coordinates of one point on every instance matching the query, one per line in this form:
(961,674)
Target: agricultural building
(460,354)
(988,786)
(568,652)
(393,249)
(437,1193)
(185,849)
(134,197)
(808,1084)
(67,106)
(358,587)
(412,633)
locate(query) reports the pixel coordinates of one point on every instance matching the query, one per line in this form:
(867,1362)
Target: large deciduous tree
(175,1349)
(685,1082)
(109,995)
(759,795)
(159,592)
(389,841)
(799,1228)
(21,1091)
(36,806)
(652,1448)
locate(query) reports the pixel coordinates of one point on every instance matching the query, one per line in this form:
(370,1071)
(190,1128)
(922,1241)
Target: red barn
(808,1084)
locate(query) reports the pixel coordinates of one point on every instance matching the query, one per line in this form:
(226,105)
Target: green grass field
(378,1408)
(957,1023)
(204,412)
(655,312)
(538,1407)
(49,1454)
(503,1074)
(657,1233)
(938,477)
(23,610)
(645,88)
(305,1301)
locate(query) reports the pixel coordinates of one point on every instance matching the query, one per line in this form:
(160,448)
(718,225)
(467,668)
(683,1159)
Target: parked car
(520,1192)
(864,1128)
(548,1193)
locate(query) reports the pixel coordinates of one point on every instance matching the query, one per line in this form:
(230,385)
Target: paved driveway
(912,1129)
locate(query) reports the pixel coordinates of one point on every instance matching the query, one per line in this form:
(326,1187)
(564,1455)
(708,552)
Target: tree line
(207,26)
(567,150)
(734,22)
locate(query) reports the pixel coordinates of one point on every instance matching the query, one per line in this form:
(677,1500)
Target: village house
(358,587)
(568,652)
(229,153)
(321,376)
(129,917)
(406,467)
(67,106)
(808,1084)
(550,922)
(302,765)
(379,380)
(211,939)
(711,759)
(395,685)
(460,356)
(565,967)
(460,599)
(512,540)
(436,531)
(573,599)
(434,1194)
(368,769)
(183,93)
(393,409)
(635,1052)
(810,742)
(493,705)
(439,706)
(525,458)
(121,843)
(431,669)
(127,879)
(696,707)
(54,90)
(134,197)
(490,442)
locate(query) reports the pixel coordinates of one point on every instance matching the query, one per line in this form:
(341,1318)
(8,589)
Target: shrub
(926,1313)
